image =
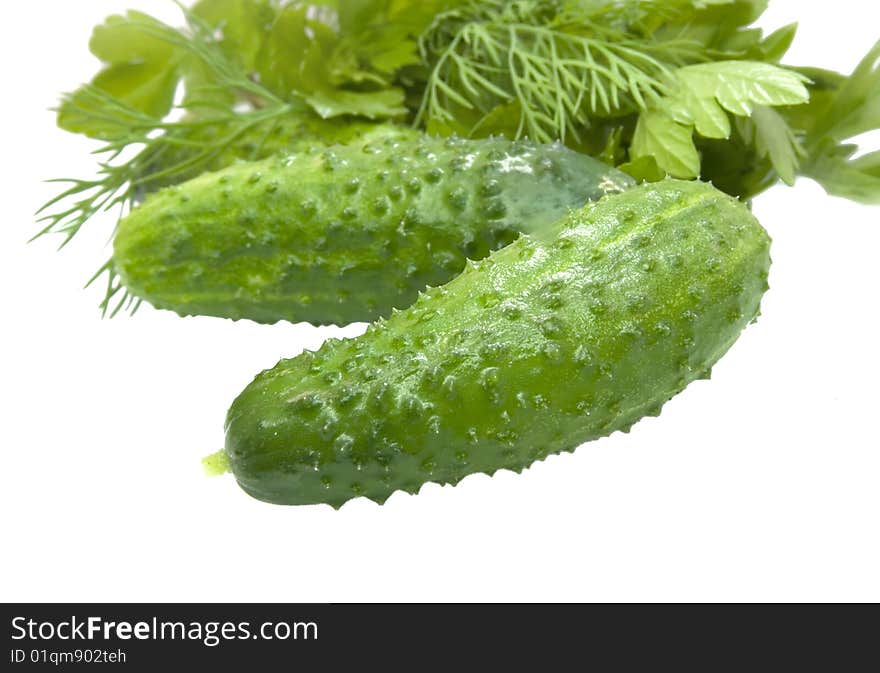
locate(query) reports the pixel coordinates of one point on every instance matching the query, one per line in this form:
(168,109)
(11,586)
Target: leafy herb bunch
(656,87)
(688,88)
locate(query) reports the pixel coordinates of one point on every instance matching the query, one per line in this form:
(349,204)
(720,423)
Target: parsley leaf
(383,104)
(849,107)
(774,139)
(120,40)
(702,97)
(643,169)
(384,33)
(856,107)
(140,70)
(736,85)
(840,175)
(669,143)
(241,26)
(775,45)
(305,55)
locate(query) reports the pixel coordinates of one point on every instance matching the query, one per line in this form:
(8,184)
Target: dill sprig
(559,68)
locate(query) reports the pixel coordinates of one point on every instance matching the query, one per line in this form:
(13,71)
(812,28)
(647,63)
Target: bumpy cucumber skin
(345,234)
(549,343)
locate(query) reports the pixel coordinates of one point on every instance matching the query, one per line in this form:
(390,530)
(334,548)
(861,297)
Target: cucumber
(558,339)
(345,234)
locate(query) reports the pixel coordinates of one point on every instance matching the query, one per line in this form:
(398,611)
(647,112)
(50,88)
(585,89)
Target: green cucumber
(557,339)
(345,234)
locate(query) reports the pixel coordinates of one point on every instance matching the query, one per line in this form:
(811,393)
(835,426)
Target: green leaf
(395,56)
(738,85)
(503,120)
(643,169)
(243,26)
(775,139)
(383,34)
(775,45)
(356,15)
(857,180)
(868,164)
(743,44)
(704,113)
(670,143)
(383,104)
(718,26)
(297,52)
(733,165)
(122,39)
(146,87)
(141,70)
(844,107)
(96,114)
(701,96)
(613,152)
(304,56)
(446,127)
(824,87)
(856,108)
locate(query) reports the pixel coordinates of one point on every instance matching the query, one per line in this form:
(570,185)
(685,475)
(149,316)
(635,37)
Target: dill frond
(561,68)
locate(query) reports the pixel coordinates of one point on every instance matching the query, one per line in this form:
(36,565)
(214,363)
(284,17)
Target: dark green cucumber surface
(345,234)
(555,340)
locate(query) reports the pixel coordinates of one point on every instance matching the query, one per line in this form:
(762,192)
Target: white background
(760,485)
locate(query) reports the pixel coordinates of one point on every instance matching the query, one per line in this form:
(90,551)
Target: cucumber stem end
(216,464)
